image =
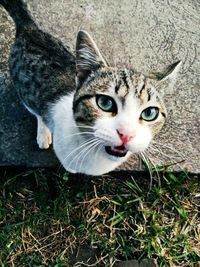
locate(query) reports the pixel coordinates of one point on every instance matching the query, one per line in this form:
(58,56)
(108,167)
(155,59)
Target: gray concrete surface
(145,34)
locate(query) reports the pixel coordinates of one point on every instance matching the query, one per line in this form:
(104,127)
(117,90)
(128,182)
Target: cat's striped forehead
(121,83)
(126,81)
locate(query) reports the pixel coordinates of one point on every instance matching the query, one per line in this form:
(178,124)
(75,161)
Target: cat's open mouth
(117,151)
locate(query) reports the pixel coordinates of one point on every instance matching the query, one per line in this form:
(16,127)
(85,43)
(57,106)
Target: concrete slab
(147,34)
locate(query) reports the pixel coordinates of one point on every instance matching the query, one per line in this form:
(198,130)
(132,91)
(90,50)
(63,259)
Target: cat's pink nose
(124,137)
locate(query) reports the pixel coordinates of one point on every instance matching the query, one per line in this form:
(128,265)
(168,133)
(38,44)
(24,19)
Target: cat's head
(122,108)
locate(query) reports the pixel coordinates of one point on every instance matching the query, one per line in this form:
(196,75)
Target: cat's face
(121,108)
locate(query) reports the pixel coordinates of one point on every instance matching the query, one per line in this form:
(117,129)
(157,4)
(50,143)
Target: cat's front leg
(44,136)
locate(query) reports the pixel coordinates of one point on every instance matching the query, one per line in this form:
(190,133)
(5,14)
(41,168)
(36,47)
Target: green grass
(47,219)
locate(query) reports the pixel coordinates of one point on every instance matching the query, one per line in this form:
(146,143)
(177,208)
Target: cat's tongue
(118,151)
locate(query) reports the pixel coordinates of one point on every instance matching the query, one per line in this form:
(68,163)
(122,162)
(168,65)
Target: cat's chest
(61,114)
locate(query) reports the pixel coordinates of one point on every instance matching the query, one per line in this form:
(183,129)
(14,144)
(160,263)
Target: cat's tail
(17,9)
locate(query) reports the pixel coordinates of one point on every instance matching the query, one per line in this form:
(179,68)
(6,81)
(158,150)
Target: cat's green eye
(106,103)
(150,114)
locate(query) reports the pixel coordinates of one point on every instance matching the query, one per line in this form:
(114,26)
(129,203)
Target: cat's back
(42,68)
(35,42)
(35,50)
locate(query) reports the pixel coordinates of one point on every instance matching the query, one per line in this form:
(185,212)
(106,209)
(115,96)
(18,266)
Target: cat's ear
(168,74)
(88,56)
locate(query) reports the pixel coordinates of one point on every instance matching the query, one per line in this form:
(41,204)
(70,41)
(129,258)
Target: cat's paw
(44,139)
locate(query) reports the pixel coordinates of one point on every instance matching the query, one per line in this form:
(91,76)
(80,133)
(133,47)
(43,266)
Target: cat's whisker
(149,168)
(168,147)
(90,149)
(169,158)
(153,149)
(83,152)
(84,149)
(96,153)
(85,126)
(162,153)
(79,147)
(155,168)
(75,134)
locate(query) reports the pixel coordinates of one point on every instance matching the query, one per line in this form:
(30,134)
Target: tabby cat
(97,114)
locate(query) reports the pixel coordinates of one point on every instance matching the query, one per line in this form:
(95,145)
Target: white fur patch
(79,152)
